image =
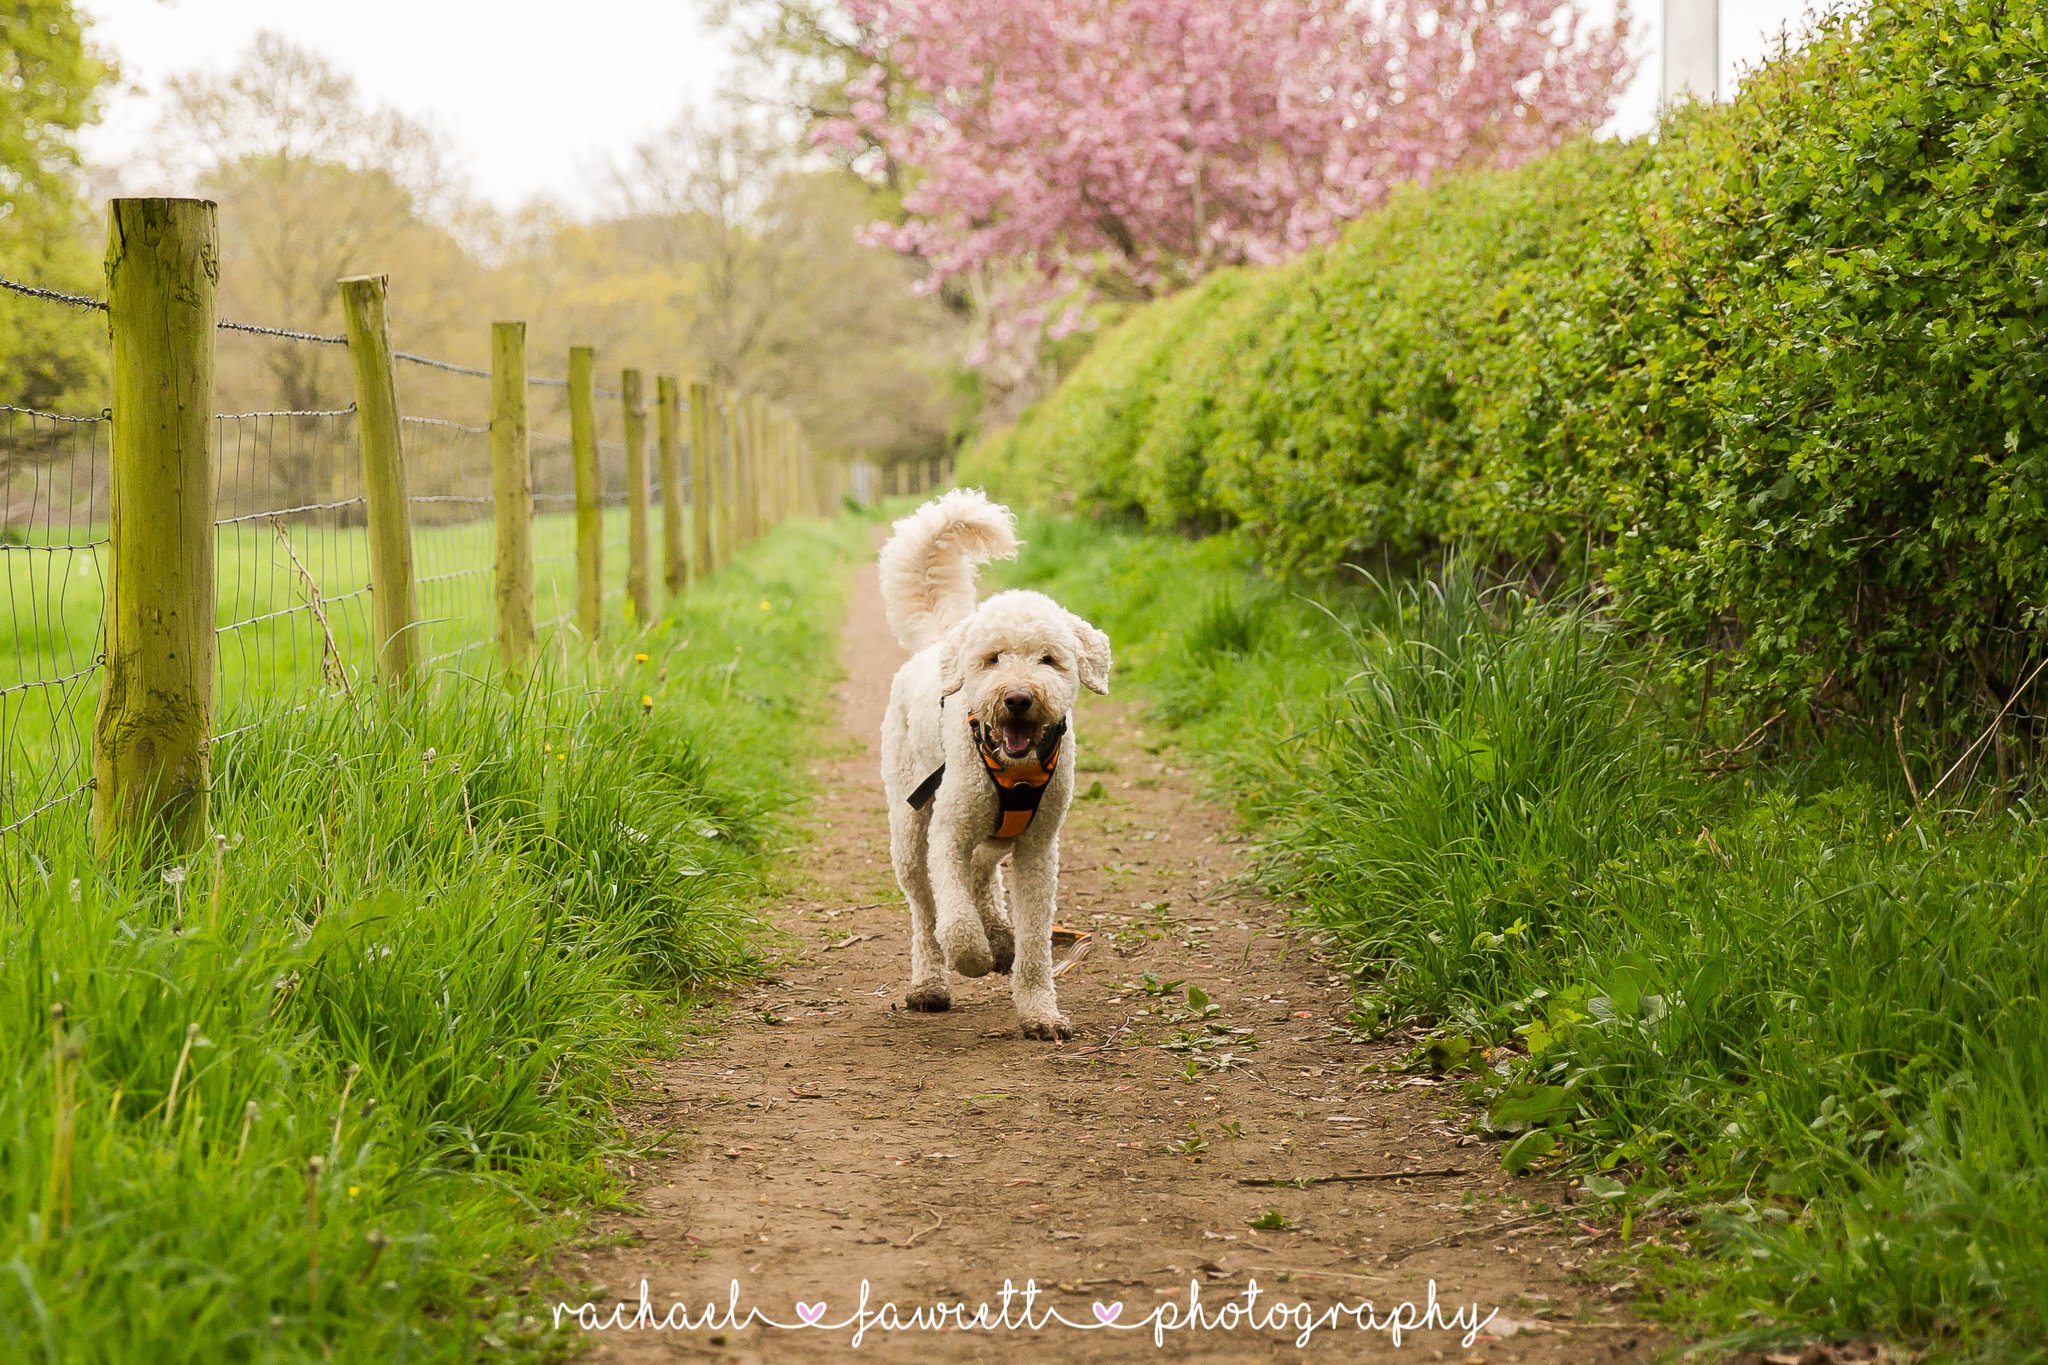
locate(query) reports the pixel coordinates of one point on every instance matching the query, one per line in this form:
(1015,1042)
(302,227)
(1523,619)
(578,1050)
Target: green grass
(336,1089)
(1788,1025)
(270,646)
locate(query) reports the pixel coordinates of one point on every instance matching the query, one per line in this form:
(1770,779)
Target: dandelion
(646,701)
(765,606)
(639,658)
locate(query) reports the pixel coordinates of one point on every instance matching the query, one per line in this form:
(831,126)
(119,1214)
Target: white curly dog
(978,755)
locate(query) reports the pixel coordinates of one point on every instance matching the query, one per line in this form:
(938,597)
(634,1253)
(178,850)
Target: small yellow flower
(646,702)
(354,1190)
(765,605)
(639,658)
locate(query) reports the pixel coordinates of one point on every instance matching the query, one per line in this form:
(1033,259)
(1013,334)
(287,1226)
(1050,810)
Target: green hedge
(1776,377)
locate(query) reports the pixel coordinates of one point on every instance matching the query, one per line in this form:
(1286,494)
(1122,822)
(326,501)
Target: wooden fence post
(785,485)
(393,598)
(512,492)
(639,556)
(802,495)
(742,474)
(675,564)
(771,470)
(153,733)
(589,494)
(757,457)
(702,496)
(730,526)
(746,465)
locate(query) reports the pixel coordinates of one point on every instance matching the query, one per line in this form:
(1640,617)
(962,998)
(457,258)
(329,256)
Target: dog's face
(1018,664)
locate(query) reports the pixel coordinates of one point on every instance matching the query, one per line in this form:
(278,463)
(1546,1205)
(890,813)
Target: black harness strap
(927,789)
(1019,791)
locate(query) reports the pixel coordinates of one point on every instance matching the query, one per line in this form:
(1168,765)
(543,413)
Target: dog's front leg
(1035,884)
(959,922)
(909,849)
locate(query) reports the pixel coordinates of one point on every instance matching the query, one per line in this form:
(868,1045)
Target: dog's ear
(952,661)
(1094,655)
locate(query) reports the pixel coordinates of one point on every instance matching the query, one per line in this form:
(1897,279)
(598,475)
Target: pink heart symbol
(1107,1313)
(810,1312)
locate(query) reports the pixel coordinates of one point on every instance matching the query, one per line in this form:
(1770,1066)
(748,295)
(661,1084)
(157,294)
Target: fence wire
(293,605)
(454,535)
(291,562)
(554,530)
(53,517)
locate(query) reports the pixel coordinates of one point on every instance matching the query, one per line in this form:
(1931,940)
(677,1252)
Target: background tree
(1070,149)
(727,252)
(50,357)
(314,183)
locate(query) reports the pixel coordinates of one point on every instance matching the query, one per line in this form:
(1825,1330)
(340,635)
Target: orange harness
(1019,789)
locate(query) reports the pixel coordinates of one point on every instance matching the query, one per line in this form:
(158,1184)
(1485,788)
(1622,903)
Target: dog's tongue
(1016,739)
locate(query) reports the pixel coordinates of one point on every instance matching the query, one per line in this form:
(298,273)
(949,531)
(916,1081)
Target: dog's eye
(991,661)
(1050,662)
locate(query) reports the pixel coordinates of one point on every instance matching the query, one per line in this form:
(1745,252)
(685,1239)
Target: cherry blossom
(1068,149)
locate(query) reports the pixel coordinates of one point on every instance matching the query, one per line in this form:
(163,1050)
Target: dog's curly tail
(928,565)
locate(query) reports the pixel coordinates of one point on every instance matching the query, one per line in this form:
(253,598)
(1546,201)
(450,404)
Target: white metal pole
(1692,50)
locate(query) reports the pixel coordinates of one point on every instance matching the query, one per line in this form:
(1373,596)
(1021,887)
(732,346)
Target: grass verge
(1785,1020)
(333,1088)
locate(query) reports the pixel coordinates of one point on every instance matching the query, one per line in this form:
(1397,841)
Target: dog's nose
(1018,702)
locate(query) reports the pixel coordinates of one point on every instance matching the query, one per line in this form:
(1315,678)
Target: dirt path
(832,1137)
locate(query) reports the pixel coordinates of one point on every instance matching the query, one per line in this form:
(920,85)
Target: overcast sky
(535,98)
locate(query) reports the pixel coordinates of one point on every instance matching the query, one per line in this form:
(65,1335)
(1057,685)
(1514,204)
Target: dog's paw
(1002,947)
(966,947)
(1050,1028)
(929,999)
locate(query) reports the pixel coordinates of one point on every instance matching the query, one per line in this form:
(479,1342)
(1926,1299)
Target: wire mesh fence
(448,465)
(53,515)
(291,580)
(300,549)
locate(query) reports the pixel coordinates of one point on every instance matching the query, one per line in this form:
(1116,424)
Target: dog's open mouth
(1017,737)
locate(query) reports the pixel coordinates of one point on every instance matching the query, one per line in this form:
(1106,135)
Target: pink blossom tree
(1068,149)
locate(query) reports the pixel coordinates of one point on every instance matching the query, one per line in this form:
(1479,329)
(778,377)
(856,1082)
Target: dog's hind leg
(991,903)
(909,841)
(1034,879)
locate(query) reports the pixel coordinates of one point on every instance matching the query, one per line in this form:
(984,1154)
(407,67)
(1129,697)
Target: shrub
(1774,380)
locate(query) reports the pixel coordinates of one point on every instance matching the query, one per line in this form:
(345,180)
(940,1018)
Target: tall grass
(333,1087)
(1765,996)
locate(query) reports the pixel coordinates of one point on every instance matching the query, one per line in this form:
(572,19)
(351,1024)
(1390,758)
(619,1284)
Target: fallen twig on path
(1302,1182)
(1505,1225)
(938,1221)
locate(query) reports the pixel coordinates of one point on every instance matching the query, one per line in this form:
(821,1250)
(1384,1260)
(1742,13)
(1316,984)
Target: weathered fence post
(742,474)
(758,460)
(393,598)
(785,485)
(771,469)
(589,494)
(639,569)
(152,736)
(512,491)
(730,528)
(702,497)
(749,452)
(675,564)
(792,462)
